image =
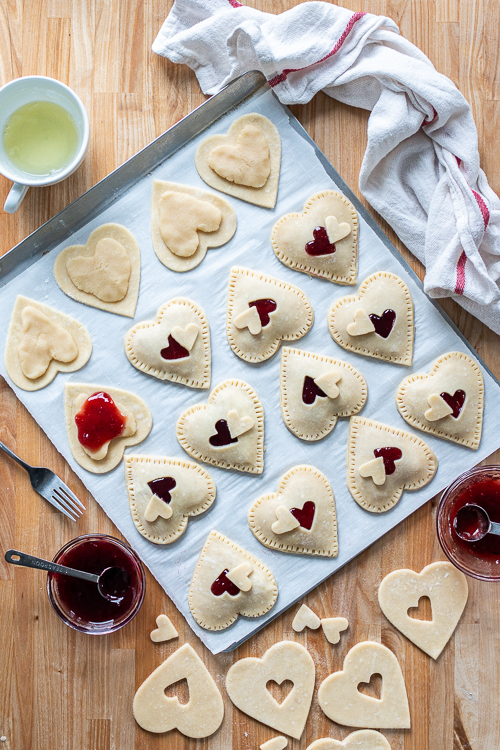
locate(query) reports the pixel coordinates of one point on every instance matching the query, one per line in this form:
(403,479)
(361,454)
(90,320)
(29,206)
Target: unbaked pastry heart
(363,739)
(246,684)
(452,375)
(340,699)
(447,590)
(200,717)
(275,743)
(333,627)
(165,630)
(246,162)
(305,618)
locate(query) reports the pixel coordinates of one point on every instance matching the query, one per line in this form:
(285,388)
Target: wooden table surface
(61,689)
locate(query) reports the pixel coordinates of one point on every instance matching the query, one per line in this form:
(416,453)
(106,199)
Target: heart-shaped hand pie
(383,461)
(342,702)
(204,430)
(333,627)
(175,346)
(182,488)
(285,314)
(305,618)
(245,162)
(215,600)
(105,272)
(306,493)
(186,221)
(200,717)
(316,390)
(101,423)
(323,240)
(378,322)
(42,342)
(448,402)
(246,684)
(364,739)
(447,590)
(165,630)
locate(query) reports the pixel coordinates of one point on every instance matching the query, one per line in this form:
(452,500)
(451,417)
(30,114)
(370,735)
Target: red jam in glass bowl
(79,603)
(479,486)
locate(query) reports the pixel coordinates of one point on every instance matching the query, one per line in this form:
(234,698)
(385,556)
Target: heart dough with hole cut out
(175,346)
(165,630)
(103,273)
(342,702)
(316,533)
(331,253)
(452,375)
(245,162)
(388,304)
(364,739)
(447,590)
(200,717)
(247,679)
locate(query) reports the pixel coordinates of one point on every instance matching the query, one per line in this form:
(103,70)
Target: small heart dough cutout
(155,508)
(186,336)
(240,576)
(249,319)
(374,469)
(361,324)
(305,618)
(337,231)
(237,424)
(165,630)
(286,521)
(328,383)
(363,739)
(333,627)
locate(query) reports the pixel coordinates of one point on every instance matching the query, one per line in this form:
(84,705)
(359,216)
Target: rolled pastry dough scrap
(305,618)
(364,739)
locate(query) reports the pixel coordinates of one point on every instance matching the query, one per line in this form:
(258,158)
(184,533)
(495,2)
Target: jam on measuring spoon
(311,391)
(455,402)
(174,350)
(320,245)
(161,488)
(264,307)
(465,521)
(222,584)
(390,455)
(384,323)
(99,421)
(223,436)
(305,515)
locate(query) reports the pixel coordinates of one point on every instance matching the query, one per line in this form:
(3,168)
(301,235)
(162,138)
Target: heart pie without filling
(306,499)
(378,321)
(323,240)
(262,312)
(204,430)
(316,390)
(186,221)
(383,461)
(448,402)
(363,739)
(42,342)
(175,346)
(164,493)
(215,600)
(244,163)
(103,273)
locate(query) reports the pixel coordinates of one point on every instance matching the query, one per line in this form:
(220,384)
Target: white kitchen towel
(421,167)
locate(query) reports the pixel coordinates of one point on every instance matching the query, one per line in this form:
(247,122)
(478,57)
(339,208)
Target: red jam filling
(222,583)
(390,455)
(174,350)
(384,323)
(161,488)
(310,391)
(455,402)
(485,493)
(305,515)
(320,245)
(223,436)
(264,307)
(99,421)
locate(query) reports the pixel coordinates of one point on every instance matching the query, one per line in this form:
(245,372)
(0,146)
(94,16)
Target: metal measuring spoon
(112,583)
(474,515)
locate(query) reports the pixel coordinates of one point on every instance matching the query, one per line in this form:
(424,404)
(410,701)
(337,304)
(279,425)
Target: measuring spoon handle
(15,557)
(495,528)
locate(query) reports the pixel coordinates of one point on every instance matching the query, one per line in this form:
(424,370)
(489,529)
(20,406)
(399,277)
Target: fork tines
(67,502)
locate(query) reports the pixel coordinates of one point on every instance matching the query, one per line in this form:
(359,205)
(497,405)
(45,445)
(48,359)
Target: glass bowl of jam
(479,486)
(79,603)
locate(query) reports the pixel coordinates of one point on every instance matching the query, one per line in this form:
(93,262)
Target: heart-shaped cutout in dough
(388,304)
(447,590)
(308,496)
(305,618)
(245,162)
(457,382)
(364,739)
(175,346)
(165,630)
(216,601)
(408,463)
(41,342)
(203,430)
(323,240)
(333,627)
(103,273)
(200,717)
(246,684)
(342,702)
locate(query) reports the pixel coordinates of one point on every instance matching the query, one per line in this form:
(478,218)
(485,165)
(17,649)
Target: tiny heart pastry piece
(200,717)
(454,391)
(101,422)
(447,590)
(333,627)
(175,346)
(363,739)
(103,273)
(275,743)
(246,684)
(249,319)
(286,521)
(340,699)
(306,493)
(305,618)
(245,162)
(316,390)
(186,222)
(214,600)
(323,240)
(240,576)
(178,490)
(203,430)
(41,342)
(386,301)
(285,314)
(372,448)
(165,630)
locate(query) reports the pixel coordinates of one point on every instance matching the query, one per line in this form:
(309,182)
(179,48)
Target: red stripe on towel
(460,283)
(428,122)
(235,3)
(483,207)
